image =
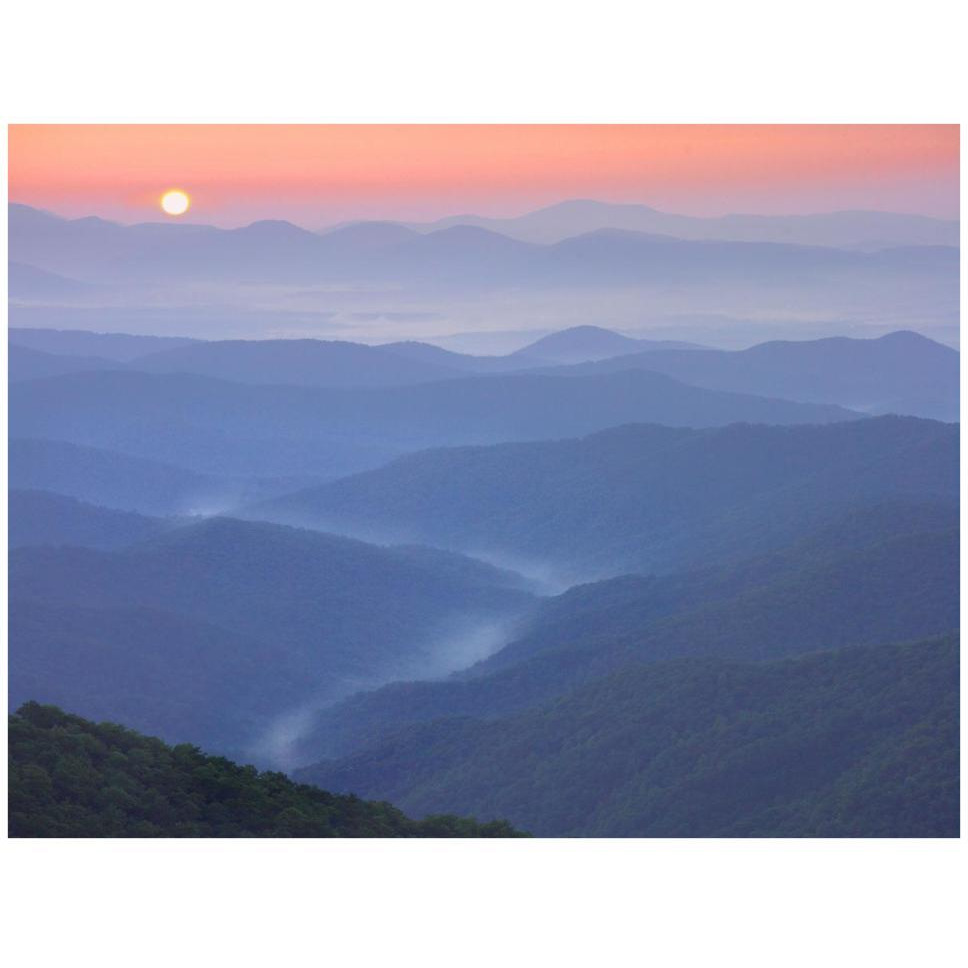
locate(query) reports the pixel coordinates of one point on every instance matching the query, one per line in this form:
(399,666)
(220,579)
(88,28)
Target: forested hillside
(640,498)
(43,518)
(886,574)
(854,743)
(225,428)
(110,479)
(207,631)
(70,777)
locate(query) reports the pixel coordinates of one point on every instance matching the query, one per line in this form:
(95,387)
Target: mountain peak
(579,344)
(371,233)
(908,336)
(27,214)
(274,228)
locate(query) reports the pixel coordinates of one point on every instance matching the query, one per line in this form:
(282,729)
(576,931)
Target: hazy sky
(320,174)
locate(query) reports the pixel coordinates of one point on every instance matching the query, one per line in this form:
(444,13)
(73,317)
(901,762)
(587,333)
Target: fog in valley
(581,519)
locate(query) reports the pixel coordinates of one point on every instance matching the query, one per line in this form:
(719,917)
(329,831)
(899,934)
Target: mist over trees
(599,521)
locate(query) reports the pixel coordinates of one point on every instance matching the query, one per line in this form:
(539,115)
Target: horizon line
(344,223)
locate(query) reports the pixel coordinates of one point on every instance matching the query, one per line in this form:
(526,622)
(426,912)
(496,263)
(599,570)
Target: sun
(175,202)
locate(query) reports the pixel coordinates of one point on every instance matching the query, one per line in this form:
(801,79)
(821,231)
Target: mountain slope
(429,353)
(901,372)
(120,347)
(29,364)
(73,778)
(178,677)
(231,429)
(858,743)
(313,617)
(44,518)
(29,282)
(110,479)
(894,577)
(296,362)
(636,498)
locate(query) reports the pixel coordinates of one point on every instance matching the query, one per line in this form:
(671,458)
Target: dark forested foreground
(70,777)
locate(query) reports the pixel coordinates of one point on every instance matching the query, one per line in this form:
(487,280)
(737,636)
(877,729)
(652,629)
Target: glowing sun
(175,202)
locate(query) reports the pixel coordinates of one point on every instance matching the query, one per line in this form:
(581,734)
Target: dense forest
(70,777)
(640,498)
(858,742)
(881,574)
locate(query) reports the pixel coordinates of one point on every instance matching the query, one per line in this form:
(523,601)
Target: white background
(780,904)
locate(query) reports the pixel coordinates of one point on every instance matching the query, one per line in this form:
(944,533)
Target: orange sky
(319,174)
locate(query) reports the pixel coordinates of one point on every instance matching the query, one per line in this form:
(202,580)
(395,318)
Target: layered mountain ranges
(901,372)
(599,586)
(856,229)
(467,251)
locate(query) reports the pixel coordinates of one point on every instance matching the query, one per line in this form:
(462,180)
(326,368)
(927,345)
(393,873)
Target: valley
(578,581)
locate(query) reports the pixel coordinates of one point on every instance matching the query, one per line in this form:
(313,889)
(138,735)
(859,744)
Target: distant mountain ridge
(901,372)
(849,229)
(580,344)
(296,362)
(31,364)
(119,347)
(462,256)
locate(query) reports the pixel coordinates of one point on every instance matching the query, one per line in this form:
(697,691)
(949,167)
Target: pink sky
(320,174)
